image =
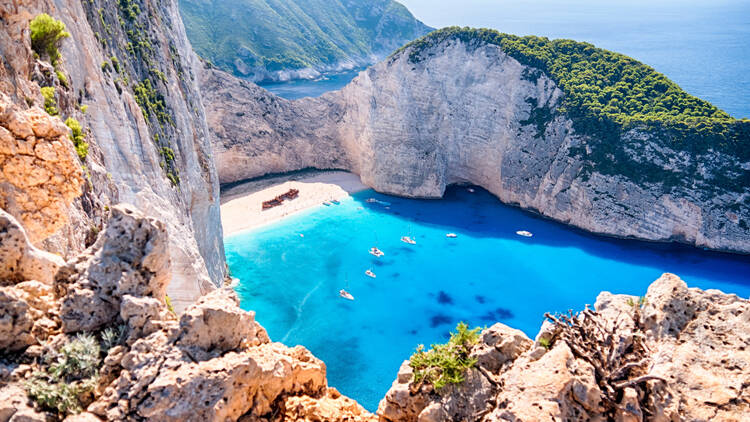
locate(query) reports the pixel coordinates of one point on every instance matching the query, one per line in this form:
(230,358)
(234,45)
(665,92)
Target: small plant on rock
(79,140)
(445,363)
(50,103)
(66,375)
(46,35)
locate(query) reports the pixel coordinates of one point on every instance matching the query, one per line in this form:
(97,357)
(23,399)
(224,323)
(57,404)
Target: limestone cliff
(468,112)
(126,75)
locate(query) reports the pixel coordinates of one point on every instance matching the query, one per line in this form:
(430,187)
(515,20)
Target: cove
(486,274)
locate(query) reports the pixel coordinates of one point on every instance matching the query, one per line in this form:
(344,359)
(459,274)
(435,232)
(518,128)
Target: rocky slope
(213,362)
(125,74)
(679,354)
(458,111)
(292,39)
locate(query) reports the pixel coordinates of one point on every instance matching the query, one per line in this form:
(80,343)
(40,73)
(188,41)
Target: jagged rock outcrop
(41,175)
(467,112)
(125,74)
(685,348)
(213,362)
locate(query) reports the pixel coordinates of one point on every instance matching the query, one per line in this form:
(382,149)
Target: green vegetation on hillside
(78,138)
(50,103)
(46,34)
(241,36)
(607,94)
(445,363)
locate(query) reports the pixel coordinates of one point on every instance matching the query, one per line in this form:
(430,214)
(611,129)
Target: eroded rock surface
(691,348)
(41,174)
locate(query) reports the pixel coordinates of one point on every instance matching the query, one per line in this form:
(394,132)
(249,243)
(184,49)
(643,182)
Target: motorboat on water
(376,252)
(471,190)
(346,295)
(524,233)
(409,240)
(451,235)
(335,201)
(370,273)
(327,204)
(375,201)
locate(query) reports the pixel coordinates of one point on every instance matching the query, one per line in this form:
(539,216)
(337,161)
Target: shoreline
(241,204)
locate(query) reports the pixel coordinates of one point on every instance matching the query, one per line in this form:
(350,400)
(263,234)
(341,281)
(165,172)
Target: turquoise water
(486,274)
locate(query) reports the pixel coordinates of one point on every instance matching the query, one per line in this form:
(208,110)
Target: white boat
(346,295)
(451,235)
(370,273)
(471,190)
(375,201)
(524,233)
(376,252)
(409,240)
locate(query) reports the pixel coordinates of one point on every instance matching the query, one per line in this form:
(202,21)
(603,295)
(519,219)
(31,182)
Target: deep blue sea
(702,45)
(486,274)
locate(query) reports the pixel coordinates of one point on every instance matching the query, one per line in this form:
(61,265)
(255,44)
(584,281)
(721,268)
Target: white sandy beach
(241,205)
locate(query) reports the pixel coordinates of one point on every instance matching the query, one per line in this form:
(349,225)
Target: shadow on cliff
(481,214)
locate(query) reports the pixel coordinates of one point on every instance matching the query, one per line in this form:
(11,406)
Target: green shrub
(84,108)
(446,363)
(78,138)
(115,64)
(62,78)
(46,34)
(67,374)
(105,66)
(111,337)
(50,103)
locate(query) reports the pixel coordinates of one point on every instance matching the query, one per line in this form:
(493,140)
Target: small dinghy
(376,252)
(371,200)
(327,204)
(471,190)
(451,235)
(524,233)
(370,273)
(346,295)
(335,201)
(409,240)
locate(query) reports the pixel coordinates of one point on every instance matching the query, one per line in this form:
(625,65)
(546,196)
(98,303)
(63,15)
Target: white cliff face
(125,160)
(473,115)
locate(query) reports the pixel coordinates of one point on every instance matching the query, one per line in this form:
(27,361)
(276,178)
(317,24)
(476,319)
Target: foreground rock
(687,349)
(213,362)
(466,112)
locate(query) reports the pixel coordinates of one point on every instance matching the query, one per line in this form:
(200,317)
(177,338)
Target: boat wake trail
(299,308)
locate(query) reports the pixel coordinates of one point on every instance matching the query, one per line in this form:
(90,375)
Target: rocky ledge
(106,315)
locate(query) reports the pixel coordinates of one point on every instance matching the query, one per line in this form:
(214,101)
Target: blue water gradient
(486,274)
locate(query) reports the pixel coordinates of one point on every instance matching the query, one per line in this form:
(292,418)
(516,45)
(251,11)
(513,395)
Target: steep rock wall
(472,114)
(130,64)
